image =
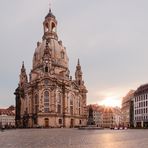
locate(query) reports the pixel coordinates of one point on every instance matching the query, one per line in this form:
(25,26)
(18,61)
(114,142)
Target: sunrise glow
(110,101)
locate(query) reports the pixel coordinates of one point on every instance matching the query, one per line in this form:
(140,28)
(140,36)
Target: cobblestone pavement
(73,138)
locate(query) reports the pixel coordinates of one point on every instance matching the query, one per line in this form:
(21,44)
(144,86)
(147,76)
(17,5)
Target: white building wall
(6,120)
(141,109)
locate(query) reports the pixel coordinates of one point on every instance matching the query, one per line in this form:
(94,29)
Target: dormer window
(62,55)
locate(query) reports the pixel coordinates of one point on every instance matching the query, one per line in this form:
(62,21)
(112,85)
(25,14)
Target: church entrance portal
(46,122)
(71,123)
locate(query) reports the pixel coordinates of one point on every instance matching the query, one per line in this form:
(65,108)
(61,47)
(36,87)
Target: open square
(73,138)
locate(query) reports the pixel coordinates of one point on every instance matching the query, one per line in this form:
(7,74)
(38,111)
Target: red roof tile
(6,112)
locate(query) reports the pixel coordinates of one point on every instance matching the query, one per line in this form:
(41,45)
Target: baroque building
(50,97)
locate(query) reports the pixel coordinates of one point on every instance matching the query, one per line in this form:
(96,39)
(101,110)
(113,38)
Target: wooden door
(71,123)
(46,122)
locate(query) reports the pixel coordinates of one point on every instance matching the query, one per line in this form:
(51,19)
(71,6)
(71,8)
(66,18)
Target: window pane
(71,101)
(71,110)
(46,104)
(36,99)
(46,101)
(59,108)
(46,110)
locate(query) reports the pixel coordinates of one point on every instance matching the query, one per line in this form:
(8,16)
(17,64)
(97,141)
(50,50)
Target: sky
(109,36)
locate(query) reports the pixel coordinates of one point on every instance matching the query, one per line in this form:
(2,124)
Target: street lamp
(142,120)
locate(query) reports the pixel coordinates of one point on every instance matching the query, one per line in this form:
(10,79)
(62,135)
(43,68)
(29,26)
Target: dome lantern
(50,26)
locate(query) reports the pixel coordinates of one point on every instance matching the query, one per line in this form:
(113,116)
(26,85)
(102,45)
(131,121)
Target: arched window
(60,121)
(62,55)
(71,104)
(46,101)
(36,100)
(46,69)
(79,106)
(59,102)
(53,27)
(71,100)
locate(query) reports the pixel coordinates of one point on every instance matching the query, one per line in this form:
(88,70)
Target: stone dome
(59,54)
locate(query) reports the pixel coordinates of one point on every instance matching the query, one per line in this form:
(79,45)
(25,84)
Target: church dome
(58,53)
(58,56)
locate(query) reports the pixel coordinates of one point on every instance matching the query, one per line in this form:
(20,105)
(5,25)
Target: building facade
(102,116)
(7,118)
(127,109)
(50,97)
(108,118)
(98,117)
(141,106)
(112,117)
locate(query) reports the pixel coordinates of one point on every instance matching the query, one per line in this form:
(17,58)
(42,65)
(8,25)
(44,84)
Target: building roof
(7,112)
(12,108)
(50,14)
(108,110)
(141,90)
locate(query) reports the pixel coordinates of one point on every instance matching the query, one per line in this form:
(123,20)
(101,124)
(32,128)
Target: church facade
(50,97)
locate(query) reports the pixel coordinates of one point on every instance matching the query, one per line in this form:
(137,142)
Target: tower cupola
(23,75)
(78,74)
(50,27)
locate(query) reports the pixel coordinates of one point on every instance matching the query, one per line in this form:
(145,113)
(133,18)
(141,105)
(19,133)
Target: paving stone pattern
(73,138)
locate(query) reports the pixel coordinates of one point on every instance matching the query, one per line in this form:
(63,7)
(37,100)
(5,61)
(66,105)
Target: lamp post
(142,120)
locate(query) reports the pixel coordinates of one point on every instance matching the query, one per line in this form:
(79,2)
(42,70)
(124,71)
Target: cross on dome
(49,5)
(50,13)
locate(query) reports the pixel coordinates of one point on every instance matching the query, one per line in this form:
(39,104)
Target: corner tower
(78,74)
(23,76)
